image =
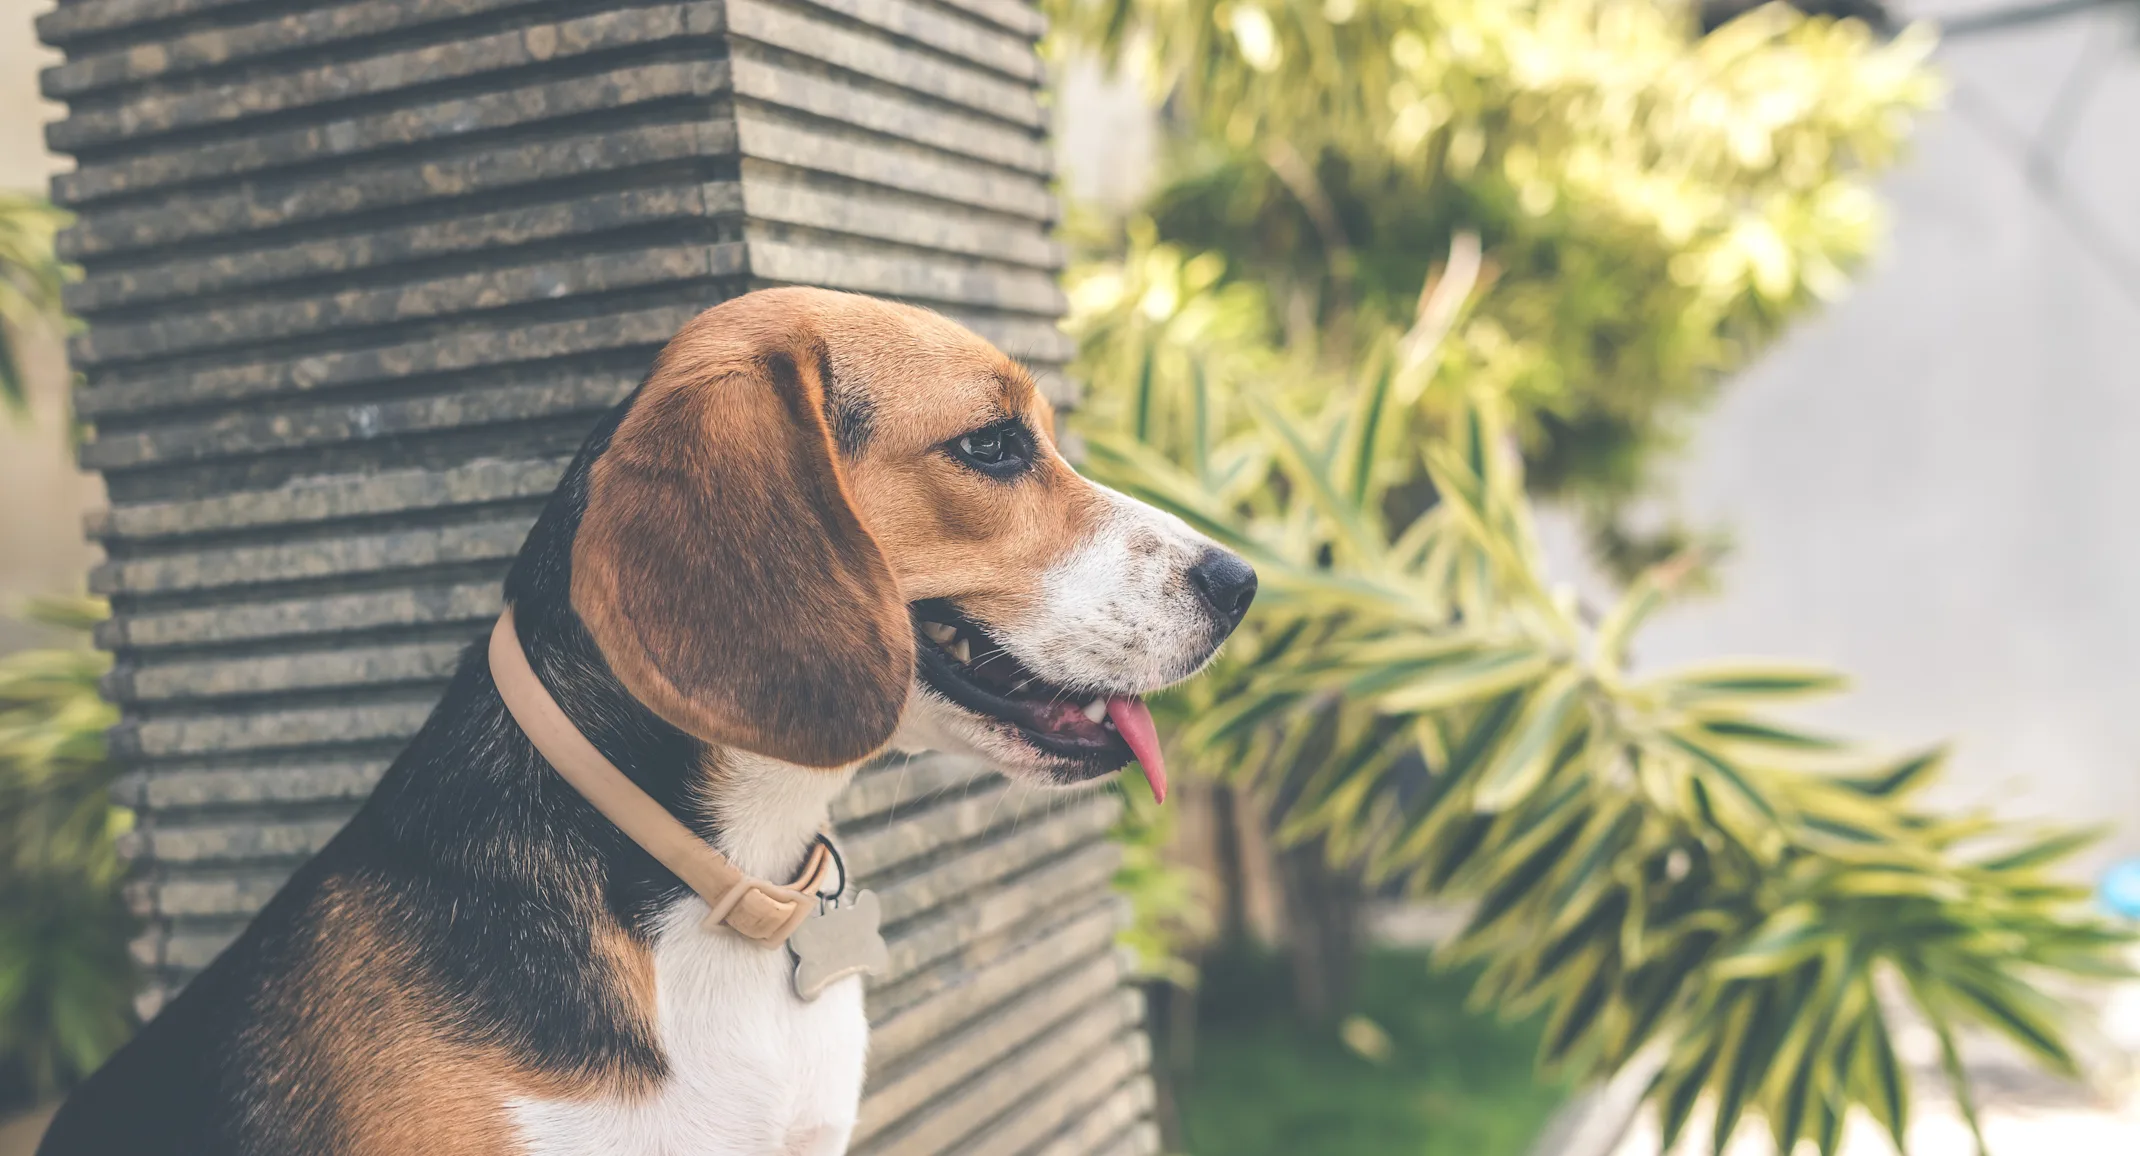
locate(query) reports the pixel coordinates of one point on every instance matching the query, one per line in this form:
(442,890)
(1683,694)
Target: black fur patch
(496,877)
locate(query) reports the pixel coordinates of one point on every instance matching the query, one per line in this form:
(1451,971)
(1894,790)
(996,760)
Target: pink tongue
(1134,722)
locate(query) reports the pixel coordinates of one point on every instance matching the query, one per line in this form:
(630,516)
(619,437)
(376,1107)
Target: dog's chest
(753,1071)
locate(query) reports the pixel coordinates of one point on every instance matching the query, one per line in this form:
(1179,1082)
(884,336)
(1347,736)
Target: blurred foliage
(66,979)
(1653,204)
(1413,259)
(30,278)
(1171,906)
(1440,1079)
(1659,864)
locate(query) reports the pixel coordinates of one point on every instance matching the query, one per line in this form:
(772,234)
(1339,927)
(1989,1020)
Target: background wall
(1935,485)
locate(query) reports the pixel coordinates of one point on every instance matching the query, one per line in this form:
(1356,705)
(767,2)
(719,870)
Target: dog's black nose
(1227,583)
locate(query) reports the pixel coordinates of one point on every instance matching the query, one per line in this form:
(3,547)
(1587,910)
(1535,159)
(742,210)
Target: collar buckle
(768,912)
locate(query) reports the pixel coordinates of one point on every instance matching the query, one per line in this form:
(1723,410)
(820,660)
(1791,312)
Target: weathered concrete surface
(360,274)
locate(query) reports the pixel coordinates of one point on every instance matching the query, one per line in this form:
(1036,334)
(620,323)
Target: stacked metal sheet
(359,276)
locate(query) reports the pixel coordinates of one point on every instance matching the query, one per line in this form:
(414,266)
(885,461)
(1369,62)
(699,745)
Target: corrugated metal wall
(359,276)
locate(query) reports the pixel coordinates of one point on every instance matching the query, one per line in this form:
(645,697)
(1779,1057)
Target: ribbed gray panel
(360,275)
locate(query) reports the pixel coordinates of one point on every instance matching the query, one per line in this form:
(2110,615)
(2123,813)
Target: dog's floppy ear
(721,567)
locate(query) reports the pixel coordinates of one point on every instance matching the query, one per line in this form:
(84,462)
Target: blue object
(2121,888)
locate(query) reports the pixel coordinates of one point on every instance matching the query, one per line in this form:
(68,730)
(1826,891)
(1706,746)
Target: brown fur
(748,582)
(721,567)
(369,1042)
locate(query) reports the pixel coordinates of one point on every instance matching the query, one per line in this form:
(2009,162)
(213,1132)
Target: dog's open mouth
(959,660)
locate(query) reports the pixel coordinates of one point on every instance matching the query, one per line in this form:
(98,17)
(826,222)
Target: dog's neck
(677,770)
(759,812)
(765,812)
(761,806)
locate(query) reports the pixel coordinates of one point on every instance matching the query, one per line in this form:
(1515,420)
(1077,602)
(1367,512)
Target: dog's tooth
(962,650)
(1096,709)
(940,631)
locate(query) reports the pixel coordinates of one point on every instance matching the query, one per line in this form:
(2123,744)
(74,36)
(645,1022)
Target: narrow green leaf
(1599,927)
(2017,1012)
(1456,851)
(1754,682)
(1950,1061)
(1765,734)
(1307,468)
(2046,851)
(1805,1052)
(1613,828)
(1900,779)
(1767,1019)
(1575,1017)
(1788,1122)
(1828,1129)
(14,396)
(1521,764)
(1144,394)
(1627,615)
(1660,986)
(1491,673)
(1733,775)
(1684,1090)
(1512,887)
(1368,424)
(1891,1104)
(1781,944)
(1428,819)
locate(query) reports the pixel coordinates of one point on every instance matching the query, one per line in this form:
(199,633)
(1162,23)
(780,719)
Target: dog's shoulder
(177,1087)
(373,1007)
(160,1095)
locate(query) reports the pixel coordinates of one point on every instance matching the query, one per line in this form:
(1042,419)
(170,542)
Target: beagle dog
(823,527)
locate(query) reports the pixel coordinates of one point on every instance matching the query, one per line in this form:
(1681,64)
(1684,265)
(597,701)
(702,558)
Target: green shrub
(1657,863)
(1413,261)
(30,277)
(66,979)
(1438,1079)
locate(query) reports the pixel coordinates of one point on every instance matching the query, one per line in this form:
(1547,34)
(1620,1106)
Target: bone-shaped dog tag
(839,942)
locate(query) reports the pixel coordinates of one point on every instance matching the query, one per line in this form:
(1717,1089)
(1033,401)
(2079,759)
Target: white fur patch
(1116,614)
(1120,613)
(753,1071)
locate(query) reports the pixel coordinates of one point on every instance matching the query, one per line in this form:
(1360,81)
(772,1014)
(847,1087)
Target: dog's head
(830,523)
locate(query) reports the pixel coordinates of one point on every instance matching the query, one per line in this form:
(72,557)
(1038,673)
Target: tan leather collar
(758,910)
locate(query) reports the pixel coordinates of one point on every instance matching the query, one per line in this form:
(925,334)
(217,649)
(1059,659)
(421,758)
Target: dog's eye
(1000,451)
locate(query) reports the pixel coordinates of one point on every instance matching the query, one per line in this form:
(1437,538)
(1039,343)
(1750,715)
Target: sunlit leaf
(1520,766)
(1763,683)
(1656,862)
